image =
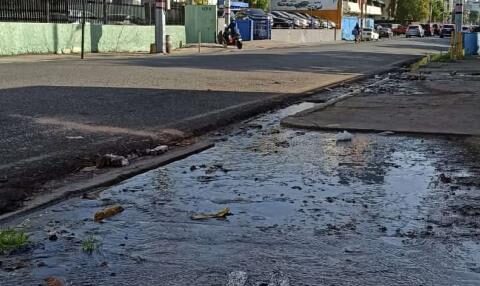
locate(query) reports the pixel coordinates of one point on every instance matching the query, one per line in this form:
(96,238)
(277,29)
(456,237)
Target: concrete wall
(39,38)
(306,36)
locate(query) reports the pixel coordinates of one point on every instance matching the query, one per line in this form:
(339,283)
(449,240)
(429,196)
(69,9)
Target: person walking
(356,33)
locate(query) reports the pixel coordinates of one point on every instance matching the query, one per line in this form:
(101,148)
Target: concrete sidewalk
(59,116)
(442,98)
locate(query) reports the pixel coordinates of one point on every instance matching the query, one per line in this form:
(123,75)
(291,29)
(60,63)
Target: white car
(370,35)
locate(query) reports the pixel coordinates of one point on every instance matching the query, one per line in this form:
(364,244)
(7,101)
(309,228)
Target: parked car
(385,32)
(370,35)
(436,29)
(447,30)
(398,29)
(331,24)
(279,23)
(297,23)
(76,16)
(124,19)
(466,29)
(415,31)
(428,29)
(312,22)
(303,22)
(252,14)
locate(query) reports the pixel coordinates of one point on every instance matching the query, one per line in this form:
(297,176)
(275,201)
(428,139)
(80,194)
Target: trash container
(470,43)
(245,28)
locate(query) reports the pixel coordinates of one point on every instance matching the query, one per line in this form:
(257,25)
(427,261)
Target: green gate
(201,21)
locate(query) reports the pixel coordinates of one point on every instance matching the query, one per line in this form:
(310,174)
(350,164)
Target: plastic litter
(157,150)
(223,213)
(344,136)
(108,212)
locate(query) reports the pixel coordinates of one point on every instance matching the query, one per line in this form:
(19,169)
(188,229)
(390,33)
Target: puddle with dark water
(368,212)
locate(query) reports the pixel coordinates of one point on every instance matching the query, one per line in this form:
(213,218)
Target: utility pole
(458,38)
(160,25)
(82,52)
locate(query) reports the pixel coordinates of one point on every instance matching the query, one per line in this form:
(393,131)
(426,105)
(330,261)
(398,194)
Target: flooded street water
(373,211)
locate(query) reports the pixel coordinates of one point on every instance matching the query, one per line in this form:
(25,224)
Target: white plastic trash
(344,136)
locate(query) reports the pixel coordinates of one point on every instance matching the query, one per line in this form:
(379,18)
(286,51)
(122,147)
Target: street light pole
(160,26)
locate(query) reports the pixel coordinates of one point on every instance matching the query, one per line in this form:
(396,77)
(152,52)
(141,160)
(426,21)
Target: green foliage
(260,4)
(473,17)
(12,239)
(412,10)
(90,244)
(438,11)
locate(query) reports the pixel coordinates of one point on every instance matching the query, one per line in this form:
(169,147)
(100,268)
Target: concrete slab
(440,107)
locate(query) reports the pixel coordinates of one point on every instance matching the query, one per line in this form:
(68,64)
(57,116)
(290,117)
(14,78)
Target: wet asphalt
(373,211)
(102,102)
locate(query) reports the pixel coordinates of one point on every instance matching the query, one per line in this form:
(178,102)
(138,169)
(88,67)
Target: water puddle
(367,212)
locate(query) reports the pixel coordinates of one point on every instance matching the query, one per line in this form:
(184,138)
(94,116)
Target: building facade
(369,8)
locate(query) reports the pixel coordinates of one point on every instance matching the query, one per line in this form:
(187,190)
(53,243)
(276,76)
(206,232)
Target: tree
(438,11)
(260,4)
(473,17)
(412,10)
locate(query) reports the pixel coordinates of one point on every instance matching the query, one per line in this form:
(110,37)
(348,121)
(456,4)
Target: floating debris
(108,212)
(344,136)
(222,214)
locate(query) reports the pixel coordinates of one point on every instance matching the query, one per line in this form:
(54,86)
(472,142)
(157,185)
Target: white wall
(306,36)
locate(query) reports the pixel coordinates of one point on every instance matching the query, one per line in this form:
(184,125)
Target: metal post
(361,21)
(82,55)
(160,26)
(227,12)
(48,11)
(105,20)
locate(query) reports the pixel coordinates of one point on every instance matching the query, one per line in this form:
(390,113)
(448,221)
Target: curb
(207,122)
(107,179)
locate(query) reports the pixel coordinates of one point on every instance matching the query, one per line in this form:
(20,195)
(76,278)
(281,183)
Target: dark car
(428,28)
(252,14)
(447,30)
(436,29)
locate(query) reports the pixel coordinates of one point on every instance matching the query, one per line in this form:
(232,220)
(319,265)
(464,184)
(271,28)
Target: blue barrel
(245,28)
(470,43)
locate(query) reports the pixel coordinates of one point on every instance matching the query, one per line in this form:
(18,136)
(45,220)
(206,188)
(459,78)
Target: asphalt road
(57,115)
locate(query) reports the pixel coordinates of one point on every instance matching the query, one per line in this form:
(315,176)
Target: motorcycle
(229,39)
